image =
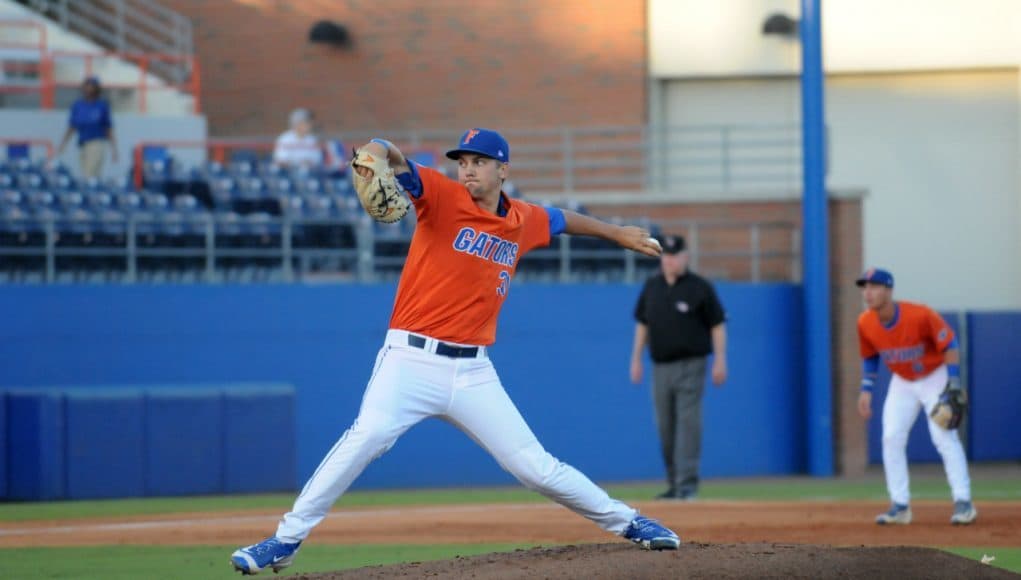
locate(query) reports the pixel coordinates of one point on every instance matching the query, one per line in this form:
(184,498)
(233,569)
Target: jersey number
(504,283)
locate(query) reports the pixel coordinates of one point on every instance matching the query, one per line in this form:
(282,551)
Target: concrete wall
(693,38)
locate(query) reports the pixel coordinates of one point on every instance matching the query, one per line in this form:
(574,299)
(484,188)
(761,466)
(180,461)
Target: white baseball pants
(409,384)
(900,411)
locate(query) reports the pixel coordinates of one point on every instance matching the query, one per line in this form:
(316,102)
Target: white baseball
(655,242)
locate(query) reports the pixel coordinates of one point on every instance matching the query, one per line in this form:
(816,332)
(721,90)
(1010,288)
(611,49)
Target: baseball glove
(379,194)
(949,411)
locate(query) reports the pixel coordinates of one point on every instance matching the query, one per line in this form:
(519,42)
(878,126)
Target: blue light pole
(815,246)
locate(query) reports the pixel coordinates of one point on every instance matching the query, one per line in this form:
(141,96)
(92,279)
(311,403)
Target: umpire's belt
(434,346)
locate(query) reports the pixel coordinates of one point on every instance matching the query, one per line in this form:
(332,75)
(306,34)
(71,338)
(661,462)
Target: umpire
(681,319)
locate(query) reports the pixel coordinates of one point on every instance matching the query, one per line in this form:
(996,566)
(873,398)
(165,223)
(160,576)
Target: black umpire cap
(672,244)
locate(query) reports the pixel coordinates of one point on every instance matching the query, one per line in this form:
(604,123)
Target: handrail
(572,263)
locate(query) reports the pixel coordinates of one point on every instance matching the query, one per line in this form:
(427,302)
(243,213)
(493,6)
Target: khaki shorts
(91,155)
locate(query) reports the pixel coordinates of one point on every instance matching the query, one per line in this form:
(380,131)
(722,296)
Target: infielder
(434,362)
(921,352)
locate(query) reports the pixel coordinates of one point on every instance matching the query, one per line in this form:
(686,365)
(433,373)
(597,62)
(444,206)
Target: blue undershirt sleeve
(870,370)
(411,181)
(557,222)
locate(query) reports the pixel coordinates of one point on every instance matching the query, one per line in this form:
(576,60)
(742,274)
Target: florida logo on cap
(469,136)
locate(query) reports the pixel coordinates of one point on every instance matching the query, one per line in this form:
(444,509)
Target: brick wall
(420,65)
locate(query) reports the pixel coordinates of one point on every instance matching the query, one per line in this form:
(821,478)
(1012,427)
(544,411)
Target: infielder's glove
(379,194)
(949,411)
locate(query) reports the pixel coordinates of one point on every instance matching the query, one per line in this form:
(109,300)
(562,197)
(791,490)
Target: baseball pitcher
(434,362)
(921,352)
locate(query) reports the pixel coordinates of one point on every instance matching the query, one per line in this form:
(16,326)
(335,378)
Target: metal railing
(137,253)
(682,160)
(133,26)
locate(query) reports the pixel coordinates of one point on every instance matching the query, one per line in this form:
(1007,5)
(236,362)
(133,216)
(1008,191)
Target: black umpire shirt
(679,317)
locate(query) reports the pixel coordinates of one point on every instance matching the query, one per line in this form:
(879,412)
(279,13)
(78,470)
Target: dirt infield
(614,561)
(839,523)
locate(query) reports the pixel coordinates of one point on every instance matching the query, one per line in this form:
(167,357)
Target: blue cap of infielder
(875,276)
(482,142)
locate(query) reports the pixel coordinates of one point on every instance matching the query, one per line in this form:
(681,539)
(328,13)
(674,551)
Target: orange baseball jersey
(461,261)
(913,344)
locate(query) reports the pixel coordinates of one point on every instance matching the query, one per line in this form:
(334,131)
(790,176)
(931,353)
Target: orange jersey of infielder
(919,348)
(468,241)
(912,345)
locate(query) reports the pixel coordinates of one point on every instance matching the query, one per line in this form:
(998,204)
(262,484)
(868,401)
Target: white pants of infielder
(900,411)
(410,384)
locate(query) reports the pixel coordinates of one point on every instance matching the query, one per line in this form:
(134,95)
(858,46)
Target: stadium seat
(224,189)
(423,157)
(18,151)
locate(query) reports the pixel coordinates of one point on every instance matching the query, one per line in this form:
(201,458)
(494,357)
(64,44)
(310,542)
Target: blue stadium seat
(215,169)
(91,184)
(30,181)
(40,199)
(62,182)
(228,228)
(18,151)
(11,197)
(310,185)
(339,187)
(423,157)
(282,185)
(242,164)
(70,200)
(270,171)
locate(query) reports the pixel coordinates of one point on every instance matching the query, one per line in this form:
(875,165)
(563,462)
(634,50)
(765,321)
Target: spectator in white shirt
(299,146)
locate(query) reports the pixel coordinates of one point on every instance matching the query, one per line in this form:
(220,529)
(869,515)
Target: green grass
(759,489)
(1006,558)
(208,562)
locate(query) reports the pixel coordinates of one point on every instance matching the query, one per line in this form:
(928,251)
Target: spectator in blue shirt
(90,118)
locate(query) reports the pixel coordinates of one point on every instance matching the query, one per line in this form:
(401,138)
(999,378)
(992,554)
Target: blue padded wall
(35,445)
(568,374)
(184,431)
(258,442)
(995,374)
(105,450)
(3,444)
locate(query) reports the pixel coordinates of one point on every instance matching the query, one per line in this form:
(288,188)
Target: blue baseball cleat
(651,535)
(897,514)
(269,553)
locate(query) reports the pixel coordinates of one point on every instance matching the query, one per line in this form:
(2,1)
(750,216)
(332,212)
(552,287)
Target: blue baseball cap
(482,142)
(875,276)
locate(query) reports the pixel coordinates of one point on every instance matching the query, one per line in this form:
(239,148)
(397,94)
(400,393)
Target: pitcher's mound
(619,560)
